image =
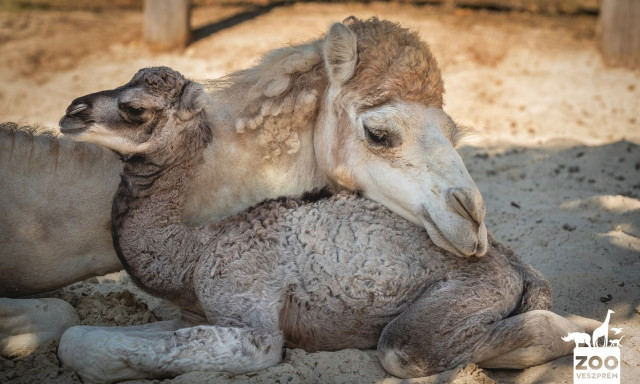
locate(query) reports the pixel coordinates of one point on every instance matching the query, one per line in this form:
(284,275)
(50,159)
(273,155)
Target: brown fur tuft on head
(162,80)
(394,64)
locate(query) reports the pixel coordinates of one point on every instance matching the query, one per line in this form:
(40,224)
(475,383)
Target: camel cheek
(344,177)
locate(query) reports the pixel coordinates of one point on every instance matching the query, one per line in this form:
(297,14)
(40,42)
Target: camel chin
(70,127)
(460,237)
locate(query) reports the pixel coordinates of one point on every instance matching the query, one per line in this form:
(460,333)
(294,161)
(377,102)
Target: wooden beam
(167,24)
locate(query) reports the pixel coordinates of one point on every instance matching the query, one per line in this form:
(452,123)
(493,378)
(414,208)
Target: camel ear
(191,100)
(340,53)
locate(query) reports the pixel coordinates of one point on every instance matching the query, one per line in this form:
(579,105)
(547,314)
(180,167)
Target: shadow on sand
(573,212)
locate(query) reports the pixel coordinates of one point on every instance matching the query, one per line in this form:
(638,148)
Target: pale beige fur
(297,120)
(54,211)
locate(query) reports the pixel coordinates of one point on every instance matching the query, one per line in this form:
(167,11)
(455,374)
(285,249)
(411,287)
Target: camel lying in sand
(341,272)
(359,109)
(54,210)
(54,229)
(330,113)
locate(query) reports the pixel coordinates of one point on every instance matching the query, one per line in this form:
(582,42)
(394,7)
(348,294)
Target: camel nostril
(462,201)
(76,108)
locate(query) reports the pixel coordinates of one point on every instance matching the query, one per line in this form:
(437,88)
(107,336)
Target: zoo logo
(595,364)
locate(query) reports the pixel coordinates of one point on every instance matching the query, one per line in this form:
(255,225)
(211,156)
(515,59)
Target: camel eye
(377,137)
(132,111)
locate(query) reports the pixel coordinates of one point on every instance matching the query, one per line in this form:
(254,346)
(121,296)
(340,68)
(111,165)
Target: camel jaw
(75,119)
(472,246)
(70,124)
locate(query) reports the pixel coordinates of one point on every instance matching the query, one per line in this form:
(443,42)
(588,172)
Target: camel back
(55,204)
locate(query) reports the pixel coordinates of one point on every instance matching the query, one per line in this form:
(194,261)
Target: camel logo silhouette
(598,361)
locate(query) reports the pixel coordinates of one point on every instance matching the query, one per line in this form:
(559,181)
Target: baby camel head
(158,114)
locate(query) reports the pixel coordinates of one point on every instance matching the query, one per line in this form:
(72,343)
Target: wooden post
(449,5)
(167,24)
(619,32)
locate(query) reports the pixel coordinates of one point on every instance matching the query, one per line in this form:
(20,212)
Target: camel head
(158,108)
(382,131)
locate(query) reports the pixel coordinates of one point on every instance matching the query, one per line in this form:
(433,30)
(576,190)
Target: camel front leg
(528,339)
(450,326)
(110,354)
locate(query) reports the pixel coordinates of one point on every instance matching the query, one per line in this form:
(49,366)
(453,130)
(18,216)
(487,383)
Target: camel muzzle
(466,202)
(458,226)
(76,108)
(71,124)
(77,117)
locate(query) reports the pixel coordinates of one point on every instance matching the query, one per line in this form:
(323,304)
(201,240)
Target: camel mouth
(470,243)
(69,131)
(438,238)
(70,124)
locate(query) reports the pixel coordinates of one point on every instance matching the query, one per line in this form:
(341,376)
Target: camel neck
(156,248)
(265,120)
(151,184)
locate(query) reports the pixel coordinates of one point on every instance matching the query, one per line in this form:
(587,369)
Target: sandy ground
(556,153)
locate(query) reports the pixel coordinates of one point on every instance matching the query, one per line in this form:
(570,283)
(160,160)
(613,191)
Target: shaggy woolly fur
(393,64)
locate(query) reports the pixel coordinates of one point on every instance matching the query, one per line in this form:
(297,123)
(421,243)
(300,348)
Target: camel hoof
(97,354)
(73,352)
(28,324)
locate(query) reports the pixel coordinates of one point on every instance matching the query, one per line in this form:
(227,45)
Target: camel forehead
(394,64)
(408,115)
(162,80)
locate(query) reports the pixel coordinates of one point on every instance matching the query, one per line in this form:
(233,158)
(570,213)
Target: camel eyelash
(381,137)
(133,111)
(377,137)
